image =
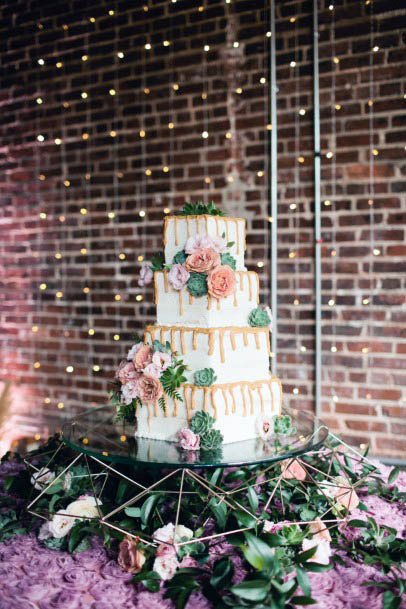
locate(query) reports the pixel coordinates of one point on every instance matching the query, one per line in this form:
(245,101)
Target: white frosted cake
(208,319)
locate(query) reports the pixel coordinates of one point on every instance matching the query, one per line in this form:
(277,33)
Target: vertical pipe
(273,189)
(317,220)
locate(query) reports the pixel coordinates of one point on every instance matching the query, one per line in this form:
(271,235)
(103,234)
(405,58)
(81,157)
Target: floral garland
(149,372)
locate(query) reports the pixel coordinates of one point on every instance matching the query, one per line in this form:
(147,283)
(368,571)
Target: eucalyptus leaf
(222,573)
(252,590)
(148,507)
(133,512)
(258,553)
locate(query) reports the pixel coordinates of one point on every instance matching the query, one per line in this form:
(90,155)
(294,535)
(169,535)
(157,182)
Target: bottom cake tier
(236,407)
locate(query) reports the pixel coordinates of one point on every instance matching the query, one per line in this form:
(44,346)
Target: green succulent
(226,258)
(197,284)
(204,377)
(211,440)
(282,424)
(179,257)
(201,423)
(258,318)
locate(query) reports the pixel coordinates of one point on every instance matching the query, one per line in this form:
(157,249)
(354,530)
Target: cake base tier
(236,408)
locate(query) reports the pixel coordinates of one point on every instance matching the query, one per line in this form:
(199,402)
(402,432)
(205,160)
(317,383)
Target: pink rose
(188,440)
(149,388)
(134,349)
(347,498)
(292,470)
(165,549)
(198,242)
(146,274)
(178,276)
(165,566)
(130,558)
(264,427)
(202,261)
(162,360)
(126,372)
(221,282)
(143,357)
(153,370)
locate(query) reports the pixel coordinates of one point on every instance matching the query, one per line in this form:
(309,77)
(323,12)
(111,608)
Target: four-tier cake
(210,328)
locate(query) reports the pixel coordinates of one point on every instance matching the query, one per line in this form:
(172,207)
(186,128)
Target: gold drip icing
(187,394)
(237,240)
(156,409)
(251,400)
(257,280)
(224,392)
(161,335)
(221,340)
(234,405)
(257,341)
(216,219)
(192,399)
(173,342)
(176,231)
(209,301)
(261,398)
(241,276)
(232,339)
(244,402)
(194,340)
(227,232)
(211,343)
(245,337)
(181,310)
(190,298)
(213,403)
(166,281)
(249,285)
(182,340)
(156,288)
(218,304)
(235,303)
(268,340)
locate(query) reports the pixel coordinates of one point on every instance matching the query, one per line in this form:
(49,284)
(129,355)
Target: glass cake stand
(128,474)
(97,434)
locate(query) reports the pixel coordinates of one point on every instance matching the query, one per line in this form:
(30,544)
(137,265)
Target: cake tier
(233,353)
(180,308)
(177,229)
(235,407)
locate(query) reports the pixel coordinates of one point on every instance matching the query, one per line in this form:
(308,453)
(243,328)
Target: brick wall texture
(102,135)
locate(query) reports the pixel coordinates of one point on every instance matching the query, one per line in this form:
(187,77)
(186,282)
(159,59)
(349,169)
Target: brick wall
(81,206)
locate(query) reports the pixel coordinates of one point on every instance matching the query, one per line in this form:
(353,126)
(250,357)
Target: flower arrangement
(201,433)
(149,372)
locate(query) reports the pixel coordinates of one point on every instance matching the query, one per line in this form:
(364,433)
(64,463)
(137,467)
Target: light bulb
(43,286)
(262,80)
(59,64)
(39,100)
(238,90)
(295,391)
(69,369)
(207,180)
(375,48)
(166,43)
(66,183)
(113,133)
(86,290)
(302,112)
(37,365)
(83,251)
(301,159)
(205,135)
(338,107)
(59,294)
(40,138)
(139,297)
(167,210)
(268,34)
(85,136)
(147,46)
(60,405)
(142,133)
(83,95)
(376,251)
(260,264)
(83,211)
(58,141)
(140,258)
(122,256)
(303,349)
(117,297)
(229,135)
(148,172)
(141,213)
(42,215)
(175,87)
(236,45)
(41,61)
(96,368)
(147,91)
(170,125)
(292,206)
(85,57)
(34,329)
(120,55)
(111,215)
(206,48)
(116,337)
(58,256)
(91,331)
(112,92)
(292,64)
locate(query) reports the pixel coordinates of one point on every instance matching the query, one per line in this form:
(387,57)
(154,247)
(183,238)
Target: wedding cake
(209,350)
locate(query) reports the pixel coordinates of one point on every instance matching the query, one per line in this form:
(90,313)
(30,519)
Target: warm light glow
(295,391)
(301,159)
(262,80)
(331,302)
(327,202)
(61,218)
(117,297)
(42,215)
(338,106)
(85,136)
(165,169)
(166,43)
(37,365)
(207,180)
(120,55)
(60,405)
(260,174)
(113,133)
(122,256)
(91,331)
(69,369)
(329,154)
(147,46)
(170,125)
(376,251)
(141,213)
(375,48)
(58,255)
(236,45)
(336,60)
(58,141)
(111,215)
(40,138)
(116,337)
(375,152)
(86,290)
(139,297)
(84,95)
(268,34)
(229,135)
(83,211)
(206,48)
(41,61)
(205,135)
(292,206)
(302,112)
(142,133)
(39,100)
(85,57)
(303,349)
(238,90)
(148,172)
(59,294)
(292,254)
(260,264)
(296,302)
(34,329)
(364,349)
(66,183)
(365,301)
(292,64)
(147,91)
(43,286)
(83,251)
(112,91)
(167,210)
(175,87)
(59,64)
(96,368)
(141,258)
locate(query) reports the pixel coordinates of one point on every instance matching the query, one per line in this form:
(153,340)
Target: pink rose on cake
(149,388)
(202,260)
(197,242)
(188,440)
(143,357)
(134,349)
(153,370)
(178,276)
(126,372)
(146,274)
(162,359)
(221,282)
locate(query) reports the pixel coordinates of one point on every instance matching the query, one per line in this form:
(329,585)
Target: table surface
(96,433)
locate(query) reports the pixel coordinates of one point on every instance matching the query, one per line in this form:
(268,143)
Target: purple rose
(188,440)
(153,600)
(111,570)
(178,276)
(68,599)
(103,589)
(93,559)
(146,274)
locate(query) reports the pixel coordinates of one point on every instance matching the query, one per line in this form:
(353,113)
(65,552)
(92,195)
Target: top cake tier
(178,229)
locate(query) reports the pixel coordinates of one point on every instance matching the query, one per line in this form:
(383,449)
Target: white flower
(44,532)
(162,359)
(133,351)
(167,533)
(165,566)
(264,427)
(129,392)
(41,478)
(67,481)
(323,552)
(64,519)
(218,244)
(153,370)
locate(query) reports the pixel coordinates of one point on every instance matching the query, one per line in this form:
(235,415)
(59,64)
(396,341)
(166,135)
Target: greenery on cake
(201,422)
(197,284)
(204,377)
(201,434)
(149,373)
(200,209)
(227,258)
(282,424)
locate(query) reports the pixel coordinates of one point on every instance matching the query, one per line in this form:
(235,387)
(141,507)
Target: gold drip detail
(188,226)
(237,240)
(227,233)
(244,401)
(249,285)
(194,340)
(166,282)
(161,335)
(211,343)
(176,231)
(173,341)
(245,337)
(190,298)
(181,310)
(232,339)
(175,407)
(216,219)
(257,341)
(251,400)
(234,405)
(182,340)
(218,304)
(224,392)
(213,403)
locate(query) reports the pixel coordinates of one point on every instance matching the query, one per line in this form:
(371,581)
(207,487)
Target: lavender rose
(188,440)
(146,274)
(178,276)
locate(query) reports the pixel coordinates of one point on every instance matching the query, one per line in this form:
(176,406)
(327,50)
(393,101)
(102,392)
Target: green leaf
(222,573)
(357,524)
(150,580)
(393,475)
(303,581)
(148,507)
(252,590)
(133,512)
(157,262)
(304,556)
(258,553)
(219,510)
(244,519)
(302,600)
(390,601)
(253,499)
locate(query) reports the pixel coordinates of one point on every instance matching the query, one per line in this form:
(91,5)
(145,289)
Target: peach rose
(292,470)
(202,260)
(319,530)
(221,282)
(143,357)
(130,558)
(149,388)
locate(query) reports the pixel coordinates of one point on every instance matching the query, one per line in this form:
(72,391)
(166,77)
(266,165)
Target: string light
(83,251)
(141,213)
(34,329)
(292,206)
(43,286)
(39,100)
(206,48)
(60,405)
(59,294)
(147,46)
(122,256)
(148,172)
(58,141)
(268,34)
(59,64)
(139,297)
(236,45)
(365,301)
(170,125)
(91,332)
(295,391)
(84,95)
(40,138)
(175,86)
(292,19)
(260,174)
(205,135)
(166,43)
(333,349)
(42,215)
(116,337)
(66,183)
(262,80)
(111,215)
(331,302)
(302,112)
(113,133)
(336,60)
(229,135)
(86,290)
(303,349)
(142,133)
(375,152)
(329,155)
(41,61)
(96,368)
(112,92)
(147,91)
(167,210)
(61,219)
(117,297)
(260,264)
(37,365)
(364,349)
(120,55)
(327,202)
(69,369)
(296,302)
(207,180)
(83,211)
(301,159)
(375,48)
(238,90)
(292,64)
(85,57)
(376,251)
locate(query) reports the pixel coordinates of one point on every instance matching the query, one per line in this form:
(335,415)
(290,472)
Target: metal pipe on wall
(273,188)
(317,210)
